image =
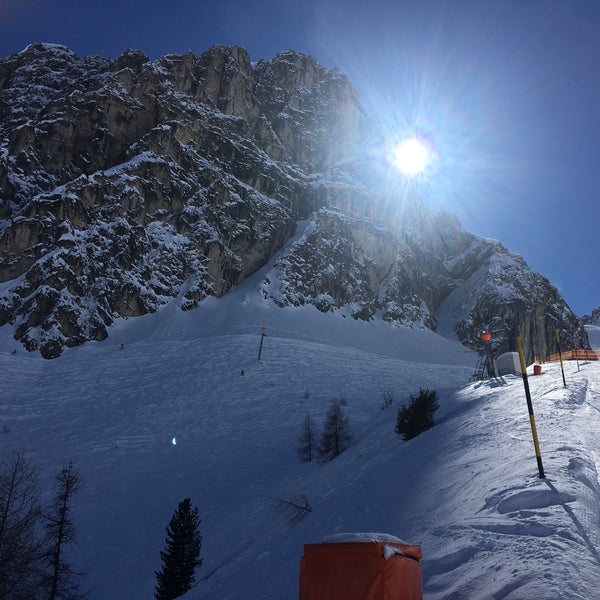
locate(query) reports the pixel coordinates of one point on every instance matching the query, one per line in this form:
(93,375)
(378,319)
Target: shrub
(417,416)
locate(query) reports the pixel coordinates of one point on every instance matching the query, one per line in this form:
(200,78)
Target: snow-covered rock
(592,319)
(127,184)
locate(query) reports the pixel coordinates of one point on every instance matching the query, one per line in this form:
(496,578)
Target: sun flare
(410,157)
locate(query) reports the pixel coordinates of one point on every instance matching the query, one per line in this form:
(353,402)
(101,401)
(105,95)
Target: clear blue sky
(507,92)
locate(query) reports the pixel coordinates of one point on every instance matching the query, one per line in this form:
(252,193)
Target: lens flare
(410,157)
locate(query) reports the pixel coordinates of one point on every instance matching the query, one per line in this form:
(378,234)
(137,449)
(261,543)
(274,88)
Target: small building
(508,364)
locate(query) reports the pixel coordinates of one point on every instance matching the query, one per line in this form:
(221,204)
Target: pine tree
(19,519)
(60,531)
(181,556)
(417,416)
(336,435)
(307,440)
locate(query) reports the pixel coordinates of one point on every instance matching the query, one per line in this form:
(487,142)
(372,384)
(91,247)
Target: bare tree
(19,535)
(307,444)
(387,398)
(294,508)
(60,531)
(336,435)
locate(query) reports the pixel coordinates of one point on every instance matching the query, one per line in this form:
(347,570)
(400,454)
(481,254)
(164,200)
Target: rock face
(425,272)
(593,319)
(126,184)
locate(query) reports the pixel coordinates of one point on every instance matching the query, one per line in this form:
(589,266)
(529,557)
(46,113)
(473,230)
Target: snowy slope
(467,490)
(593,332)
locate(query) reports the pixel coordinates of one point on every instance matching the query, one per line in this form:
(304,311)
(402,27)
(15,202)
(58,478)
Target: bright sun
(410,157)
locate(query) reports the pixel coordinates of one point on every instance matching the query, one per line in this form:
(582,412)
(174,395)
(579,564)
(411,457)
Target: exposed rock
(129,183)
(502,295)
(412,274)
(593,319)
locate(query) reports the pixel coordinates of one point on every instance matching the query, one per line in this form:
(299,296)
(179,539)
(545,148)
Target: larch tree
(59,577)
(336,435)
(307,443)
(19,523)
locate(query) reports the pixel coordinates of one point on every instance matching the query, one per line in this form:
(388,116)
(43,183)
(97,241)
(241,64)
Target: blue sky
(507,92)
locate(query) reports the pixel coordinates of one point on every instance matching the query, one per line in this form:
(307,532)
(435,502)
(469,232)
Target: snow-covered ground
(467,490)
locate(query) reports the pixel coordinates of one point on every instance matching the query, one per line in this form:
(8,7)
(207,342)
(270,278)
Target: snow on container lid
(361,537)
(361,566)
(390,544)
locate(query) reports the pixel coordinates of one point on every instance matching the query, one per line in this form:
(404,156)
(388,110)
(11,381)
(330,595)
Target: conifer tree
(417,416)
(181,555)
(307,440)
(336,435)
(60,531)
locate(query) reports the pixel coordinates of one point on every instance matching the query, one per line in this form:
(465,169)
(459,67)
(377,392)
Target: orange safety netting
(571,355)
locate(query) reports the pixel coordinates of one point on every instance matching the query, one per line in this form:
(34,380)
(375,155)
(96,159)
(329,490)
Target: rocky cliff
(129,183)
(593,318)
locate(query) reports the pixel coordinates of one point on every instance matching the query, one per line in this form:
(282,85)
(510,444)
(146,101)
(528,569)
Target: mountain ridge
(126,183)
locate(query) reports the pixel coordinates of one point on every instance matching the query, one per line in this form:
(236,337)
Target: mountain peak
(37,49)
(129,184)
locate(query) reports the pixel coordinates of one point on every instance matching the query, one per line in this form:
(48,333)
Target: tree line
(412,419)
(34,538)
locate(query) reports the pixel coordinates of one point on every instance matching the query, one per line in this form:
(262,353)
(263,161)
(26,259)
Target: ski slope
(161,411)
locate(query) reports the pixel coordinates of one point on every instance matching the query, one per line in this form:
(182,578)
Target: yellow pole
(536,443)
(562,369)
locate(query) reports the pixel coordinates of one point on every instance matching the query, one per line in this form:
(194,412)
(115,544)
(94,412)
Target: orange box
(369,570)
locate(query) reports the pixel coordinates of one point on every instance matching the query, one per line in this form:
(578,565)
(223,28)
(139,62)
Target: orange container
(361,571)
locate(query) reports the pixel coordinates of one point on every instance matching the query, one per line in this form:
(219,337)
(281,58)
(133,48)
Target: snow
(48,47)
(361,537)
(144,157)
(467,490)
(593,332)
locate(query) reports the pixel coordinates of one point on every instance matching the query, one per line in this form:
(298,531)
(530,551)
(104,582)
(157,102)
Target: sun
(410,157)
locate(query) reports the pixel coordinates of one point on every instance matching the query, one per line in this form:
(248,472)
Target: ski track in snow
(544,529)
(467,490)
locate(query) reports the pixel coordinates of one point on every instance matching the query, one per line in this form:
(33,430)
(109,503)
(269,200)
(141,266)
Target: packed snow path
(528,537)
